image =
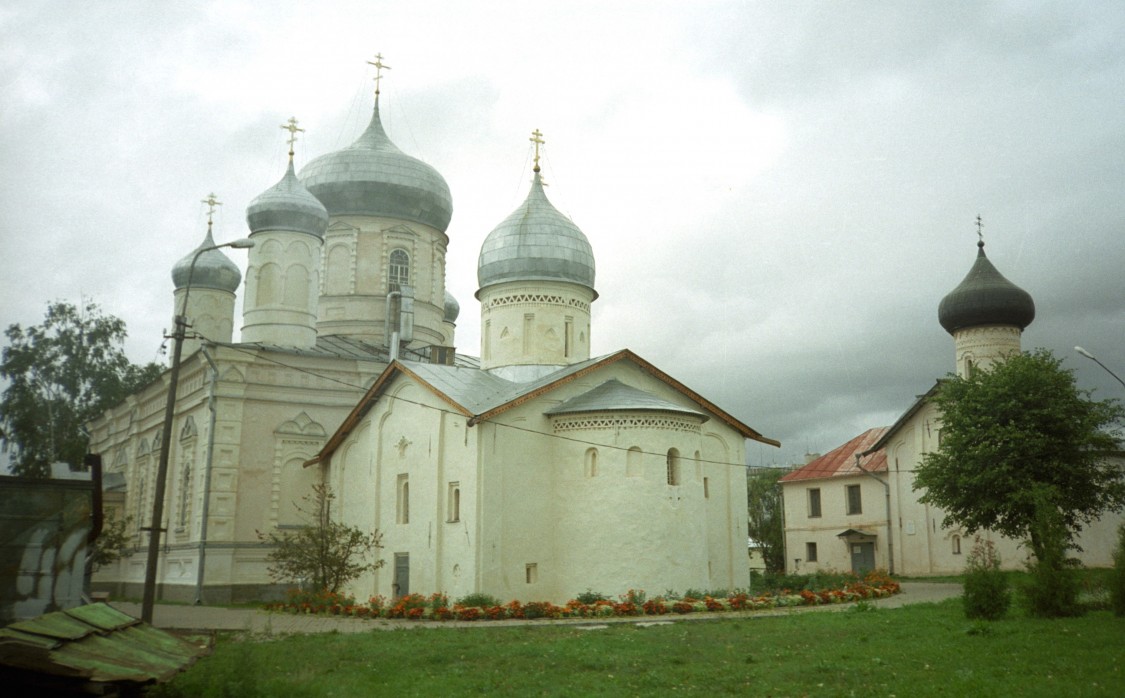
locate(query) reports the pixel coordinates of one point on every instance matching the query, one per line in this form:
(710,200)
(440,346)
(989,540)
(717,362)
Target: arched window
(398,271)
(673,467)
(403,499)
(591,462)
(633,462)
(956,540)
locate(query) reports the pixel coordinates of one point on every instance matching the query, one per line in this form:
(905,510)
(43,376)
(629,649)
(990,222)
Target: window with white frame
(814,502)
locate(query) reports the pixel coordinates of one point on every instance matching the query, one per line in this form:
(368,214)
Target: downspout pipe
(205,510)
(887,488)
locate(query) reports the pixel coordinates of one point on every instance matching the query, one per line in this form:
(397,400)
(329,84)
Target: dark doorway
(402,574)
(863,557)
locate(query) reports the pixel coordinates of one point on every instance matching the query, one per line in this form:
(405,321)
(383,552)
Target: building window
(855,502)
(633,462)
(398,271)
(814,502)
(403,508)
(673,467)
(568,337)
(591,462)
(810,552)
(956,545)
(531,572)
(706,489)
(454,506)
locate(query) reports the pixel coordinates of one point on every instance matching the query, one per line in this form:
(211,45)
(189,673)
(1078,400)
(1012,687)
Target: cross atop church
(212,204)
(537,139)
(292,128)
(379,65)
(980,229)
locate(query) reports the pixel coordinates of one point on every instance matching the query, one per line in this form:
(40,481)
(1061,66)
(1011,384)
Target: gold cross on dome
(980,228)
(292,128)
(537,139)
(379,65)
(212,204)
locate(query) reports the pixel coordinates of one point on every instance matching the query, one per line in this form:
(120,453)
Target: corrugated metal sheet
(841,460)
(92,645)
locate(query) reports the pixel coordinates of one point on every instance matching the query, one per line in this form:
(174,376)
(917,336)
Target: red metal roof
(840,461)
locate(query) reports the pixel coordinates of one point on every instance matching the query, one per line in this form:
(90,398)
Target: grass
(920,650)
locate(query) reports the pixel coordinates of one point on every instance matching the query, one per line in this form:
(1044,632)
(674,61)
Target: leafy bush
(590,597)
(478,600)
(986,588)
(1052,589)
(1117,582)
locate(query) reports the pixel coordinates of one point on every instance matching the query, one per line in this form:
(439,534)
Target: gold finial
(212,204)
(537,139)
(292,128)
(980,230)
(379,65)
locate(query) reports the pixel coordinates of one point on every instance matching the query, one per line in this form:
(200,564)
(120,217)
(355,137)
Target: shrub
(1052,589)
(478,600)
(1117,581)
(590,597)
(986,588)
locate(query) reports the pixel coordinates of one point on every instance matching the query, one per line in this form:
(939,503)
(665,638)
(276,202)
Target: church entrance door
(402,574)
(863,557)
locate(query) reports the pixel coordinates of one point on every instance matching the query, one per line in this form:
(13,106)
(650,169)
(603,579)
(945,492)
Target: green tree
(323,554)
(763,502)
(61,374)
(1018,436)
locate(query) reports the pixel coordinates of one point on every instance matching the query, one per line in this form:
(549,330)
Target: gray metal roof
(613,395)
(985,297)
(536,243)
(213,269)
(373,177)
(288,206)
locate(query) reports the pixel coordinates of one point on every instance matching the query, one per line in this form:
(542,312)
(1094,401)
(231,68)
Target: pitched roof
(615,395)
(841,460)
(480,395)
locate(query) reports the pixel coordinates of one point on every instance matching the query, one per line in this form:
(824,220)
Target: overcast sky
(778,195)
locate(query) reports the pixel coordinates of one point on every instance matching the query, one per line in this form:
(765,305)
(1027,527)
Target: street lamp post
(179,332)
(1093,358)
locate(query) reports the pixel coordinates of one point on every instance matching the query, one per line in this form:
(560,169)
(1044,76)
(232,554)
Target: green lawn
(921,650)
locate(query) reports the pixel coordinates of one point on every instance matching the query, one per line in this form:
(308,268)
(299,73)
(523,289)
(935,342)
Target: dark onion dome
(213,269)
(287,205)
(985,297)
(452,308)
(536,243)
(372,177)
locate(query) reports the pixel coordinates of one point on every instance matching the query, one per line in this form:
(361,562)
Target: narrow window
(956,545)
(454,507)
(185,496)
(810,552)
(706,489)
(814,502)
(591,462)
(528,323)
(531,572)
(633,462)
(855,503)
(403,508)
(398,271)
(568,337)
(673,467)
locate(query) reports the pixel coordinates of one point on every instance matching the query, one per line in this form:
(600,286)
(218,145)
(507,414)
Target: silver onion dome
(452,308)
(373,177)
(985,297)
(536,243)
(288,206)
(213,269)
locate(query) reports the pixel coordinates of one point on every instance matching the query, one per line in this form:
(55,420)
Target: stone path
(184,617)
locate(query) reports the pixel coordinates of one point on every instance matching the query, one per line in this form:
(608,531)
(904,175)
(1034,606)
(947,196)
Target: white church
(855,508)
(534,472)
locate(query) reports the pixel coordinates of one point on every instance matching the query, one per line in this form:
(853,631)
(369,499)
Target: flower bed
(633,603)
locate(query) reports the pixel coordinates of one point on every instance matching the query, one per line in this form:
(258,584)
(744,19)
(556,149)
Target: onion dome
(985,297)
(213,269)
(288,206)
(372,177)
(452,308)
(536,243)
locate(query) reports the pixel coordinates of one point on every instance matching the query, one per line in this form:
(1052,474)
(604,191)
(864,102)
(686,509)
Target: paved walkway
(184,617)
